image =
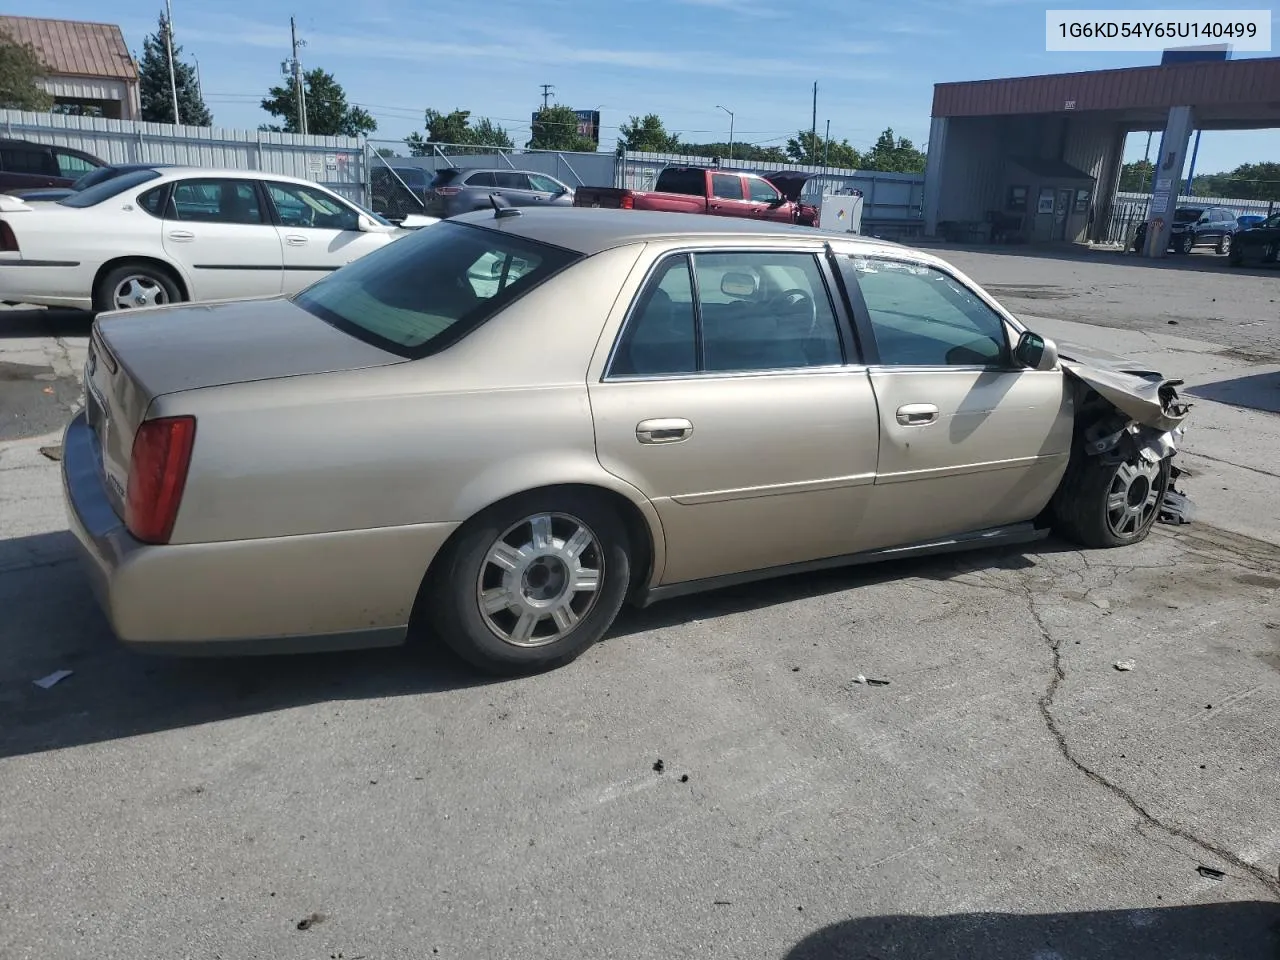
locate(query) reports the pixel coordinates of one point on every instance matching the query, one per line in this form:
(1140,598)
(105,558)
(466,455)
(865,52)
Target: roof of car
(591,231)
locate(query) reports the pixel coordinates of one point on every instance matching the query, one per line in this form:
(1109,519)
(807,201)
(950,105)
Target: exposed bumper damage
(1131,412)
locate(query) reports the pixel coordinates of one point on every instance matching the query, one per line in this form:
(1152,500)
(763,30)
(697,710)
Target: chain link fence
(1131,209)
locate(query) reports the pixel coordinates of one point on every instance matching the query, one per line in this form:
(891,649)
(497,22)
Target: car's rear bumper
(314,592)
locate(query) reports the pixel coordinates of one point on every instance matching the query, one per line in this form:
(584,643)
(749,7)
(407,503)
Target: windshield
(107,189)
(1186,215)
(419,294)
(1271,223)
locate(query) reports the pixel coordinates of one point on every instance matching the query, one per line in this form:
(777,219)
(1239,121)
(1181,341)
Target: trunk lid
(609,198)
(790,183)
(136,356)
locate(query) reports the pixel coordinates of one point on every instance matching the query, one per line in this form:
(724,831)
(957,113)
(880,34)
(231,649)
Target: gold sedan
(505,427)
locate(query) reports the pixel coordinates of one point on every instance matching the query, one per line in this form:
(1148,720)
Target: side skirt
(993,537)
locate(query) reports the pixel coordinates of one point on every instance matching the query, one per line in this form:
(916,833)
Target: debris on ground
(870,682)
(684,778)
(52,453)
(306,923)
(1210,873)
(56,677)
(1125,665)
(659,767)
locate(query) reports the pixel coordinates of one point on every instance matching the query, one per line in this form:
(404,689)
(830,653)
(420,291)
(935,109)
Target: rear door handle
(294,240)
(181,235)
(917,414)
(671,430)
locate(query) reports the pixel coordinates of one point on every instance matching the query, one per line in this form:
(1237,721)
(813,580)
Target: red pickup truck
(718,193)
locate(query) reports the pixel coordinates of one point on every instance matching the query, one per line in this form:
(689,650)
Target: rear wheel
(135,285)
(531,583)
(1105,504)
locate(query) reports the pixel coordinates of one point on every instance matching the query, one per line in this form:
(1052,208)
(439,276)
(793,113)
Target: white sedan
(175,234)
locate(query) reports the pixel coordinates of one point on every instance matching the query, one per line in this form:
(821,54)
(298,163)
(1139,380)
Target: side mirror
(1036,352)
(364,224)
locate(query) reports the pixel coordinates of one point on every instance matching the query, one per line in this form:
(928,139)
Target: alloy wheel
(139,290)
(1133,497)
(539,579)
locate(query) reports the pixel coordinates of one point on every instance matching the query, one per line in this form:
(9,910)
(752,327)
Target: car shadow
(24,321)
(1261,391)
(51,624)
(1200,261)
(1241,930)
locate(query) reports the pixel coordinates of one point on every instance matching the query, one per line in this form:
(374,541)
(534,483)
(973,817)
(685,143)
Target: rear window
(445,177)
(419,294)
(109,188)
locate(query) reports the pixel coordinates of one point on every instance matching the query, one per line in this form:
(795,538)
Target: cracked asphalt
(1008,795)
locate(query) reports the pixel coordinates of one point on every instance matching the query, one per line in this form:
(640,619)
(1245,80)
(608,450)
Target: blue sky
(875,62)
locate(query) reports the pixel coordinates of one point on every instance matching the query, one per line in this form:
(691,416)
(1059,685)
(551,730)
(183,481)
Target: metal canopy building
(90,68)
(1039,157)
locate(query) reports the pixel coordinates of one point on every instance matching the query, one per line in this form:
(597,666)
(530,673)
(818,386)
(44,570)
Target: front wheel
(1104,505)
(1224,244)
(531,583)
(1183,244)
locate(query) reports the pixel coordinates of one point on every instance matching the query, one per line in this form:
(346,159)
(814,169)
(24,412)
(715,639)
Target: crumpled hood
(1145,395)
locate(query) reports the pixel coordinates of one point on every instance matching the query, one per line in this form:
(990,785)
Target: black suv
(24,163)
(1196,227)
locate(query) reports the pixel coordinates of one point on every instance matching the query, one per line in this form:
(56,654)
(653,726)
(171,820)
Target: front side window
(299,206)
(421,293)
(726,187)
(215,201)
(752,312)
(762,191)
(72,165)
(921,316)
(544,184)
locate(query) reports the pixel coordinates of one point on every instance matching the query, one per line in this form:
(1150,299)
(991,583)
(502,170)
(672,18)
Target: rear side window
(676,180)
(726,187)
(109,188)
(482,179)
(153,199)
(420,294)
(26,160)
(512,181)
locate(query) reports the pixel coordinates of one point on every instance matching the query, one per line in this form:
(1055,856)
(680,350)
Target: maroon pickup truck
(718,193)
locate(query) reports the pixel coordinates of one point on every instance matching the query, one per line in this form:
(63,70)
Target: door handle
(181,235)
(294,240)
(917,414)
(671,430)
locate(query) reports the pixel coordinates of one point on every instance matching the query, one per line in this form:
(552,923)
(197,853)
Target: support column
(1104,196)
(1168,179)
(933,174)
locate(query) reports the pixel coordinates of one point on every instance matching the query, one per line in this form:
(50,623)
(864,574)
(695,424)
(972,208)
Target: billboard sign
(588,124)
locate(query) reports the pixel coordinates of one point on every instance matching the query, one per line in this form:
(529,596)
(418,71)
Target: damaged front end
(1128,414)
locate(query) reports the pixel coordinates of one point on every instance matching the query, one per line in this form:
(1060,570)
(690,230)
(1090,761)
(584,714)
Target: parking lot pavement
(1009,793)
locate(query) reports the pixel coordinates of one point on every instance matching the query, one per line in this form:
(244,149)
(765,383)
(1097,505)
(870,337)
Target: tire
(532,581)
(1094,506)
(1224,244)
(153,286)
(1269,253)
(1183,244)
(1235,257)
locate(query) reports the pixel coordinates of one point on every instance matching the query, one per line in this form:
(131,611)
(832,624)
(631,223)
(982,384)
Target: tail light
(448,191)
(8,242)
(627,202)
(157,475)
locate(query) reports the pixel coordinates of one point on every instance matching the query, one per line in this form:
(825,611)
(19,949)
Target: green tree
(20,72)
(1136,177)
(647,134)
(894,155)
(452,133)
(556,128)
(806,148)
(1249,181)
(741,151)
(155,91)
(328,113)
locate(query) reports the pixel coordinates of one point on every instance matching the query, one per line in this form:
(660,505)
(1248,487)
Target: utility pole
(299,94)
(730,113)
(826,144)
(546,93)
(814,131)
(168,42)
